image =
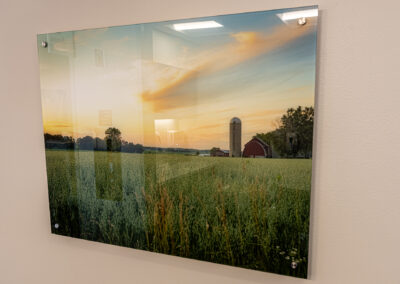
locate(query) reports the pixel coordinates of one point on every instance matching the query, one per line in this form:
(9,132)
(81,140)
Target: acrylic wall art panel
(191,138)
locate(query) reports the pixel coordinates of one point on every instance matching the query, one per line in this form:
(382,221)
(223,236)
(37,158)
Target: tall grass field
(251,213)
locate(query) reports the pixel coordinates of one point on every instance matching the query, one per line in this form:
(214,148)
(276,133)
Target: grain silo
(235,137)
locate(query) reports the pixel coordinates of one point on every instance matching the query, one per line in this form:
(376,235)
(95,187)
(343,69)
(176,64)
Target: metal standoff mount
(302,21)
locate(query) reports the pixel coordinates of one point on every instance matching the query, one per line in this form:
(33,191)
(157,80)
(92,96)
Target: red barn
(256,148)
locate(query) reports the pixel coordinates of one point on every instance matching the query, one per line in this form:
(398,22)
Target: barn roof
(259,140)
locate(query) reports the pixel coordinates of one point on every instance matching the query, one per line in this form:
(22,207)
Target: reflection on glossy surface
(139,147)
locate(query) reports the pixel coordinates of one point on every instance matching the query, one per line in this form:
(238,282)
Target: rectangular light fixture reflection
(197,25)
(298,14)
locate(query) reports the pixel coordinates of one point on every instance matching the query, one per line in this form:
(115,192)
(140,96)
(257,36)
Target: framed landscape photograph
(190,137)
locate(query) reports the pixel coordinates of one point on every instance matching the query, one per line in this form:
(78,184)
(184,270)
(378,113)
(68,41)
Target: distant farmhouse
(257,148)
(219,153)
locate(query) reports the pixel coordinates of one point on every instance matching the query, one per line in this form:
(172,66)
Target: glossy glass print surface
(190,138)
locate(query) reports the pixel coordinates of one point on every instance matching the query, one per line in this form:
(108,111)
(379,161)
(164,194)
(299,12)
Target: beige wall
(355,232)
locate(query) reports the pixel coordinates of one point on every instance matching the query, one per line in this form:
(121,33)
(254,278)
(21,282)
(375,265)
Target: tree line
(111,142)
(293,136)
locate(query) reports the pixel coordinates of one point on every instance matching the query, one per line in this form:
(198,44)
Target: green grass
(252,213)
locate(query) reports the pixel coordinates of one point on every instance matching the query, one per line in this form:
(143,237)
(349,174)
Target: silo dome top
(235,120)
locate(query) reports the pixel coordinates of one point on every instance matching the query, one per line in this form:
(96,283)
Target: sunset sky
(169,88)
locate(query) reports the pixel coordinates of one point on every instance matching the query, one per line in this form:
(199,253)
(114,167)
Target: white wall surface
(355,230)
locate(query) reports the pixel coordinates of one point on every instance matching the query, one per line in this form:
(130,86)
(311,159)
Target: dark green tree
(113,139)
(58,141)
(298,125)
(85,143)
(139,148)
(100,144)
(277,140)
(294,134)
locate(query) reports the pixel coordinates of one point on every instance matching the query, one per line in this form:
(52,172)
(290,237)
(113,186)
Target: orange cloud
(179,90)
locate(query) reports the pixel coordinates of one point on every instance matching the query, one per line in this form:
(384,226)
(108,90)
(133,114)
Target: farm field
(251,213)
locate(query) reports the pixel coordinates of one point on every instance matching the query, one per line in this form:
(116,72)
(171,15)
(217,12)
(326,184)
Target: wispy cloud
(245,46)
